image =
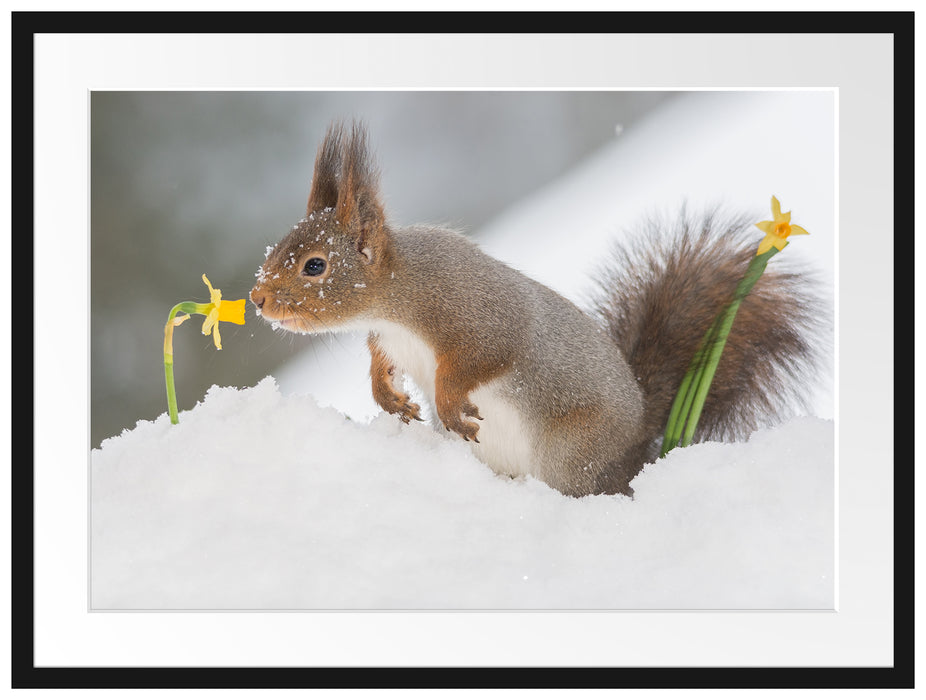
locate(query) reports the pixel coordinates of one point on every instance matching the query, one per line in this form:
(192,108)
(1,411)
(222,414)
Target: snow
(258,500)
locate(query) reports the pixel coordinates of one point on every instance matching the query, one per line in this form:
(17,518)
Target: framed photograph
(168,164)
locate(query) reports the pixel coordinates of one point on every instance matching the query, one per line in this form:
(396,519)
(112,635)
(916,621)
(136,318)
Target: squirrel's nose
(258,298)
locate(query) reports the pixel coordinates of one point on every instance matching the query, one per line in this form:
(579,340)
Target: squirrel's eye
(314,267)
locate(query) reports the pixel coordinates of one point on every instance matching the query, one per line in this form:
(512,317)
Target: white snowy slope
(260,501)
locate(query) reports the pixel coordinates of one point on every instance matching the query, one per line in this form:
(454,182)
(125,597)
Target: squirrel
(537,386)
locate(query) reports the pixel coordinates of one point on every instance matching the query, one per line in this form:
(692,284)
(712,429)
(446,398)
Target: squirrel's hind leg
(580,455)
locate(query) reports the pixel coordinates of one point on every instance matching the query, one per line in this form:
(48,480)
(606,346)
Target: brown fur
(345,226)
(324,192)
(592,405)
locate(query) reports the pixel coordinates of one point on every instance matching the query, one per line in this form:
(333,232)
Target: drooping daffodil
(215,311)
(777,231)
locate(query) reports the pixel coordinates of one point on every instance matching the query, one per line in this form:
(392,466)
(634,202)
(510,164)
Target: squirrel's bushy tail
(663,293)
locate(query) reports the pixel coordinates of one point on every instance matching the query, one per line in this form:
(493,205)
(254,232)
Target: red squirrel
(536,385)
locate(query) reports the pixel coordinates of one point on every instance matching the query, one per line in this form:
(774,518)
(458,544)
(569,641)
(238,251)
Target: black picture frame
(26,26)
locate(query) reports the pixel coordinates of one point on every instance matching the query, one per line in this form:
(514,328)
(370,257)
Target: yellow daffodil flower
(218,310)
(777,230)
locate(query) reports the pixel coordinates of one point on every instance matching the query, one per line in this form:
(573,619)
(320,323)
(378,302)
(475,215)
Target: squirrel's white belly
(505,439)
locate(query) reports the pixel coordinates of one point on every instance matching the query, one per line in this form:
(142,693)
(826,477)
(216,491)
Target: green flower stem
(689,402)
(171,392)
(184,307)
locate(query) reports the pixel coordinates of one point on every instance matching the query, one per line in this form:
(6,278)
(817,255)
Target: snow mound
(257,500)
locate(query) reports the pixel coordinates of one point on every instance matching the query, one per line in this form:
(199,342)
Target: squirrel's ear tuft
(358,207)
(346,181)
(324,192)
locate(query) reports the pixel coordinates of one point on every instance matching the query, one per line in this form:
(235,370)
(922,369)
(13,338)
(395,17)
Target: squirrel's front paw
(399,404)
(405,409)
(451,399)
(466,429)
(470,411)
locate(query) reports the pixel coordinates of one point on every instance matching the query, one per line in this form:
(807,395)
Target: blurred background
(186,183)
